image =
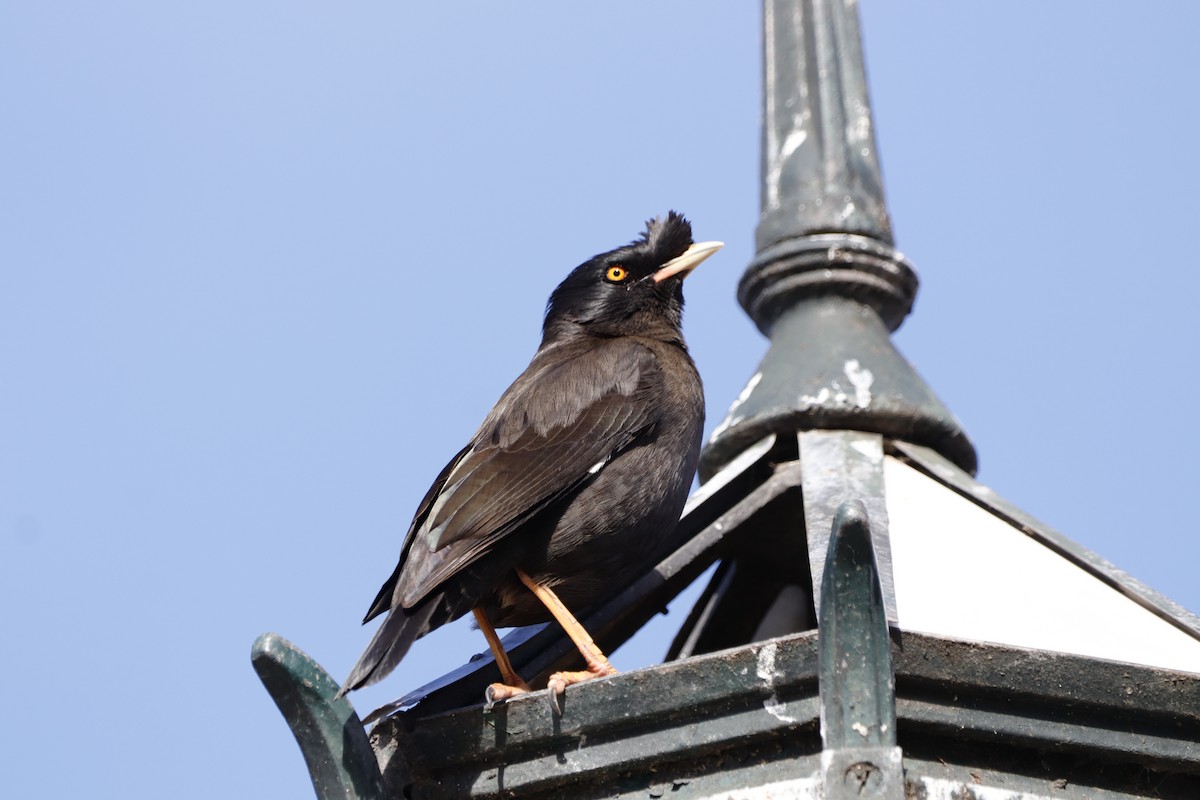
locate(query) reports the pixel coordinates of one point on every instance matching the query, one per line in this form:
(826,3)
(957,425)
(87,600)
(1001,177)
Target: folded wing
(553,430)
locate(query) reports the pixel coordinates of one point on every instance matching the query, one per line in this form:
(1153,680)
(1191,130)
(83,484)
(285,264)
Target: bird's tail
(390,643)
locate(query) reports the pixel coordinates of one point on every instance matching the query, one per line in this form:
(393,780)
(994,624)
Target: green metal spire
(827,285)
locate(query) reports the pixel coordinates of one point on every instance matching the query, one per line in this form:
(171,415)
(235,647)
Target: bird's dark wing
(384,600)
(556,426)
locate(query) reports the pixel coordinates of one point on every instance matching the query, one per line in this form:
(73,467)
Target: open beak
(691,258)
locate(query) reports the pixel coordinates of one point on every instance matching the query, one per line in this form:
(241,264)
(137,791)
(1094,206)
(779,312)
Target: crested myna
(573,482)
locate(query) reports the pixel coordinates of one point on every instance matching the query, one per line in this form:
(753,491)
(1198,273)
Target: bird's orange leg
(511,685)
(597,664)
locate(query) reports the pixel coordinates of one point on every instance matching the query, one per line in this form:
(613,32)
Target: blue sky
(265,266)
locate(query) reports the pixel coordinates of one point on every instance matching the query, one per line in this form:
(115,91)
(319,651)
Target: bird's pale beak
(691,258)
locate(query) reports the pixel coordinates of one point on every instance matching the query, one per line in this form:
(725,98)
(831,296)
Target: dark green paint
(827,285)
(1019,719)
(857,688)
(858,700)
(331,736)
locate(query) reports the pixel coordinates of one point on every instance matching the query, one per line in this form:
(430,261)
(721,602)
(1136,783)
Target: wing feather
(543,440)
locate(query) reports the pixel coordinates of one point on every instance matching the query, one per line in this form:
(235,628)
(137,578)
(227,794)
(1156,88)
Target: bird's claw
(497,692)
(555,688)
(559,681)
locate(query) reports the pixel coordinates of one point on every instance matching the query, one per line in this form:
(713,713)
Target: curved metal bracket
(335,745)
(858,686)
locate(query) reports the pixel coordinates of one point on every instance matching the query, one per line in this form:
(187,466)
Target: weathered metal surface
(754,595)
(640,722)
(820,169)
(823,223)
(340,760)
(976,774)
(862,773)
(750,600)
(1013,697)
(827,286)
(762,588)
(842,264)
(858,701)
(832,365)
(837,466)
(931,463)
(703,614)
(744,723)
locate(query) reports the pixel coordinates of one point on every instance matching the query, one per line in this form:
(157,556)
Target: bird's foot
(559,682)
(497,692)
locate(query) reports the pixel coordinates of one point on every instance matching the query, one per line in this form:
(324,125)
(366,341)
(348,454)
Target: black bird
(577,475)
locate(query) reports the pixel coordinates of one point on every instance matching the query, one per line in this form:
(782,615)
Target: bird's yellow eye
(616,274)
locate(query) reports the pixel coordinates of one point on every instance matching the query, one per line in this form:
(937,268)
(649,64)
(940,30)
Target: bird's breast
(616,527)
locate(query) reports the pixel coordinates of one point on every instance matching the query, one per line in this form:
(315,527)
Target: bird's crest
(666,238)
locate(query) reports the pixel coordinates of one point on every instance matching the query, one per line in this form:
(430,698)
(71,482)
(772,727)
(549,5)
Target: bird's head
(632,290)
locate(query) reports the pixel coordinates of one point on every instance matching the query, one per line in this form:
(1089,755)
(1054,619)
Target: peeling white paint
(861,729)
(940,789)
(744,395)
(861,379)
(766,670)
(794,139)
(731,418)
(807,400)
(725,425)
(764,667)
(778,709)
(860,127)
